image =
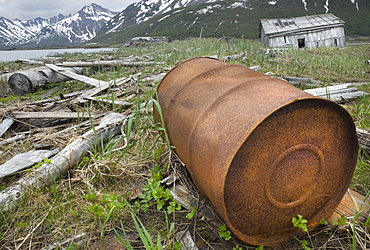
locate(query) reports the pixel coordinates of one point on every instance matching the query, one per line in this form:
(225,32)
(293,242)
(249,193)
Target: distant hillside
(234,18)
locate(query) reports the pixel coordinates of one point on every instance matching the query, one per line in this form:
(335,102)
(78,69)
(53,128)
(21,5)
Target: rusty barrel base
(260,149)
(299,160)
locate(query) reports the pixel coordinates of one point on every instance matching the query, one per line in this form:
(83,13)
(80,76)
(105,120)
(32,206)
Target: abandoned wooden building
(323,30)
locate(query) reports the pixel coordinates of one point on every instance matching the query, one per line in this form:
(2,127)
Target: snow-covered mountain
(14,32)
(143,10)
(59,30)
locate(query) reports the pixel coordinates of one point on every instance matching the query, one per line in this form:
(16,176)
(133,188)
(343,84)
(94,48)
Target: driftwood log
(108,63)
(24,82)
(50,115)
(60,163)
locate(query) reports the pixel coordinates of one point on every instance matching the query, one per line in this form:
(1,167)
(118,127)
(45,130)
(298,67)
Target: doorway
(301,43)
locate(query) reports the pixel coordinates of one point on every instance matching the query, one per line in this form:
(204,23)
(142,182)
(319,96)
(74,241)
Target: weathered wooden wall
(313,39)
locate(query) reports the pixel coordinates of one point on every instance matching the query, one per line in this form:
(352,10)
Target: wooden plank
(57,98)
(81,78)
(301,80)
(50,115)
(352,204)
(345,97)
(115,102)
(363,138)
(324,91)
(337,93)
(96,90)
(5,125)
(25,160)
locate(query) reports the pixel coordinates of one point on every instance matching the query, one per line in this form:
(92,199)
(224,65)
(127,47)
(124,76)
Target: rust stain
(260,149)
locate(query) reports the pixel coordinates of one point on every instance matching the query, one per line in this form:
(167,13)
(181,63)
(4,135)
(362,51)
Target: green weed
(342,221)
(224,232)
(301,223)
(191,214)
(156,194)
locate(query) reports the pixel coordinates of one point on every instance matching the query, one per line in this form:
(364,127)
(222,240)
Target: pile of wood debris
(52,123)
(61,134)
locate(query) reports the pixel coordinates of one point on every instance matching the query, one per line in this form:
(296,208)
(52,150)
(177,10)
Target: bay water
(13,55)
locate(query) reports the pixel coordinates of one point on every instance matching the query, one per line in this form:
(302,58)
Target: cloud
(26,9)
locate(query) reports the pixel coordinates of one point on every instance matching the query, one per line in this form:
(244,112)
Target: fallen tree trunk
(24,82)
(60,163)
(107,63)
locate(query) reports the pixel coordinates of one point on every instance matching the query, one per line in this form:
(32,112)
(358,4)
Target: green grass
(97,197)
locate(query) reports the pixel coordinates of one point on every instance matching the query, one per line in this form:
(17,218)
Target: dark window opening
(301,43)
(335,42)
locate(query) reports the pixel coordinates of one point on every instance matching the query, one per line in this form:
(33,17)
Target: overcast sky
(28,9)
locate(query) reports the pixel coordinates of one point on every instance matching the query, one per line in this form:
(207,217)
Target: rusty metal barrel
(260,149)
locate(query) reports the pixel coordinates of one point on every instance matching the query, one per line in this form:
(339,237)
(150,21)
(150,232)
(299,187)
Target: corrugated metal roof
(283,25)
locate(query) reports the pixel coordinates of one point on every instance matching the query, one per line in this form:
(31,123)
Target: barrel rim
(183,62)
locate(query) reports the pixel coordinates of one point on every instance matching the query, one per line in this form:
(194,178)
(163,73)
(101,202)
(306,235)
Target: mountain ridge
(236,18)
(175,19)
(59,30)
